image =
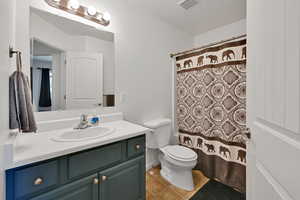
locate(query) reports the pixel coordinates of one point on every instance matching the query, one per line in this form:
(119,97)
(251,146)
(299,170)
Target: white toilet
(176,161)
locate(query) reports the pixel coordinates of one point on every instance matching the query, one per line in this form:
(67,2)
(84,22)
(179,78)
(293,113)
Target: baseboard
(152,164)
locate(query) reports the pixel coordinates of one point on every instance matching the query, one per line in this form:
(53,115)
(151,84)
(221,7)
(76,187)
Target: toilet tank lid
(156,123)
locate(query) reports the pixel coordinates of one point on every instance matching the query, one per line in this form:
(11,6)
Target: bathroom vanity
(108,168)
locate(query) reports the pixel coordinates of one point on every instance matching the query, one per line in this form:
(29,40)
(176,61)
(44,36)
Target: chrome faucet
(84,123)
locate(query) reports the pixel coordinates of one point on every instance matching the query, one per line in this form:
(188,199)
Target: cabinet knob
(137,146)
(96,181)
(104,178)
(38,181)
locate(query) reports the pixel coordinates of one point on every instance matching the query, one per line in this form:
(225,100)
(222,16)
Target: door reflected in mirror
(72,64)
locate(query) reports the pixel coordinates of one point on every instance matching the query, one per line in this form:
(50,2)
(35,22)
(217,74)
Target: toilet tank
(161,134)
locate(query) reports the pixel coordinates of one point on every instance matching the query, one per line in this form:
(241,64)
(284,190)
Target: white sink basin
(82,135)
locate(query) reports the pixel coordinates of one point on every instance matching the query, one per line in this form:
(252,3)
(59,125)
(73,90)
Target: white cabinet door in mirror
(84,80)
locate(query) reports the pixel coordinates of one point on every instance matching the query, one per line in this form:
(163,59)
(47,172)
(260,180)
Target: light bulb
(91,10)
(74,4)
(106,16)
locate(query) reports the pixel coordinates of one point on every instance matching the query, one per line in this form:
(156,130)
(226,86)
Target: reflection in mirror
(72,64)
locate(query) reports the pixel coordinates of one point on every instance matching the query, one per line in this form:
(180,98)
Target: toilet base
(180,176)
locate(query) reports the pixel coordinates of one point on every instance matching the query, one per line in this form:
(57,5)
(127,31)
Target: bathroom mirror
(72,64)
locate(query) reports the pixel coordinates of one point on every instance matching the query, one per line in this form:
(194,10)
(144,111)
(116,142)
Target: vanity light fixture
(106,16)
(92,10)
(74,7)
(74,4)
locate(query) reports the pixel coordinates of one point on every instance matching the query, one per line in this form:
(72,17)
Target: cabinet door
(83,189)
(125,181)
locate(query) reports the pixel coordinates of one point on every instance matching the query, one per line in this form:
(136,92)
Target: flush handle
(38,181)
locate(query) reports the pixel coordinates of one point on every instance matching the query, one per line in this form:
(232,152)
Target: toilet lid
(180,153)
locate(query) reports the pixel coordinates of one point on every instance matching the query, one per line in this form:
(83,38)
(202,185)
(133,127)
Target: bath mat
(214,190)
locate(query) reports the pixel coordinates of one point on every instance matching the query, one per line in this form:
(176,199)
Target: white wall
(108,50)
(221,33)
(58,101)
(52,35)
(21,34)
(7,32)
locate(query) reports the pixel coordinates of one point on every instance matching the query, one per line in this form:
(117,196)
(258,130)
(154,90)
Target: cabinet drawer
(135,146)
(35,179)
(82,189)
(85,162)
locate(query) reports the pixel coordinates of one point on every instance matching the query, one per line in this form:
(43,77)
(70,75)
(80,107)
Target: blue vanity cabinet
(125,181)
(36,178)
(81,163)
(82,189)
(111,172)
(135,147)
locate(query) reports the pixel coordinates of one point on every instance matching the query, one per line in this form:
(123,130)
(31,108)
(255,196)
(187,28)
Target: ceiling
(206,15)
(41,49)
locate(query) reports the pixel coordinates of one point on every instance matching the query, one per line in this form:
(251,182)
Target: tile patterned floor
(160,189)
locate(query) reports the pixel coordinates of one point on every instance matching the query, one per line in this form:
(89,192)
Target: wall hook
(12,52)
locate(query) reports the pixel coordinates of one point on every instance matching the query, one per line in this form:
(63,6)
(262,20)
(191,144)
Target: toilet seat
(180,153)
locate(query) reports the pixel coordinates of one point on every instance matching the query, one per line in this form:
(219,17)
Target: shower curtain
(211,110)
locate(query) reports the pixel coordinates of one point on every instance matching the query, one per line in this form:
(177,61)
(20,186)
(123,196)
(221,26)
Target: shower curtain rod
(205,46)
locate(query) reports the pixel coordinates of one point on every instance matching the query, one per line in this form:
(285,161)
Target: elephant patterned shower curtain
(211,110)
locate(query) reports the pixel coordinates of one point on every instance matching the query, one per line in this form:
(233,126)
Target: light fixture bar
(73,7)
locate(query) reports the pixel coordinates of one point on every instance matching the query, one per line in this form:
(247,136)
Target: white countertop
(30,148)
